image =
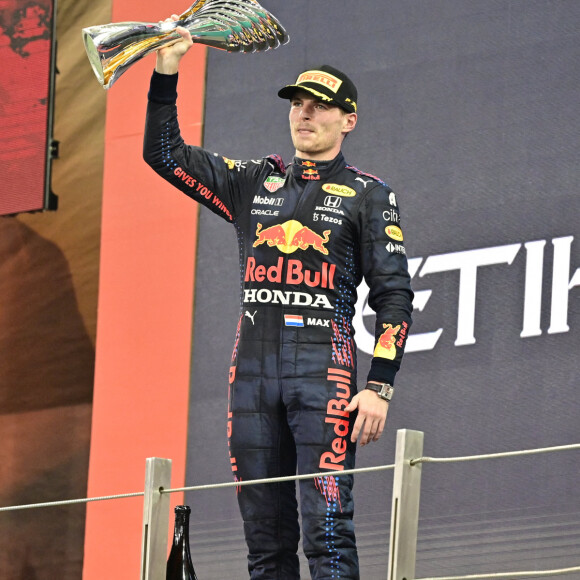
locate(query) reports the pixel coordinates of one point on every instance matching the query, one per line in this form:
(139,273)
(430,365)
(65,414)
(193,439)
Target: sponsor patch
(273,184)
(326,218)
(391,215)
(395,233)
(337,189)
(229,162)
(310,174)
(267,212)
(286,298)
(265,200)
(396,248)
(332,201)
(321,78)
(250,315)
(239,164)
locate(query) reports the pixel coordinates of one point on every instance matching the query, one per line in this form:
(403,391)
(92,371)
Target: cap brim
(288,91)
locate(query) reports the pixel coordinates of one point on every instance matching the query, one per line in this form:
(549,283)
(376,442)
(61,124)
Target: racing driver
(293,401)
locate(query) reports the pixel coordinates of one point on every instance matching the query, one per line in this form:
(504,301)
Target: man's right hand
(169,57)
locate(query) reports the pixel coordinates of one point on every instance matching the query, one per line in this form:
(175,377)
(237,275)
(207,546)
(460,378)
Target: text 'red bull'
(339,418)
(291,272)
(402,334)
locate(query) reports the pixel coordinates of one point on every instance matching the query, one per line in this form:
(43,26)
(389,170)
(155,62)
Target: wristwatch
(383,390)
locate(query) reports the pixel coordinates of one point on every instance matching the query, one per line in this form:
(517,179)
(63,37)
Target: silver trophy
(231,25)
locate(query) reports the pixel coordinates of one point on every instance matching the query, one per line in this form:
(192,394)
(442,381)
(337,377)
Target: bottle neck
(181,531)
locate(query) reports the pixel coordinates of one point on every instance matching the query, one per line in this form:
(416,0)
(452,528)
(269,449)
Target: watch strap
(383,390)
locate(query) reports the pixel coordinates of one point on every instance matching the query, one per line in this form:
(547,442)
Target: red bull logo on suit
(291,236)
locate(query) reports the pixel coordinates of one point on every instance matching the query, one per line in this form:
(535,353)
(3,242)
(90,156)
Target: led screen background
(468,110)
(26,53)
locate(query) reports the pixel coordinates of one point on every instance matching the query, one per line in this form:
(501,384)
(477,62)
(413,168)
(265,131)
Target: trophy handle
(230,25)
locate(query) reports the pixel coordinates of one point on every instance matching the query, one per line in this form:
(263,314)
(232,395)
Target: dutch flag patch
(293,320)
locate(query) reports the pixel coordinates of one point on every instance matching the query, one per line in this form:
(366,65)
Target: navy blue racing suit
(308,234)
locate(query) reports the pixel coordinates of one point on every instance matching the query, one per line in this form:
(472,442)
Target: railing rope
(404,514)
(509,575)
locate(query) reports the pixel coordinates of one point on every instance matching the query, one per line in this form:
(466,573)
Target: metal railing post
(155,519)
(405,506)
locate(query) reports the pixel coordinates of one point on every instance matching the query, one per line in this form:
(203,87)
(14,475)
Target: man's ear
(350,120)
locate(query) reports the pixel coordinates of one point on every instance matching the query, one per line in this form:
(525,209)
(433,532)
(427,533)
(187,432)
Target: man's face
(318,128)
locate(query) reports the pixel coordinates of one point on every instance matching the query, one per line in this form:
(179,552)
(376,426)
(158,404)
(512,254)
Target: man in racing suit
(308,233)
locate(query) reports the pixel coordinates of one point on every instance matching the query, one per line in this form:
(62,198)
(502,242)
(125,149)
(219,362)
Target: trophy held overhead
(230,25)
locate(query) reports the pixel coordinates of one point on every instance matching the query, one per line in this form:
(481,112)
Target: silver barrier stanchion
(155,519)
(405,506)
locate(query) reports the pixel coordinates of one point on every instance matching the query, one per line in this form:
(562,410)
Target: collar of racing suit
(315,170)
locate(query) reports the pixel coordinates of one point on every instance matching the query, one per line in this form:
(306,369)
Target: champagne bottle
(179,565)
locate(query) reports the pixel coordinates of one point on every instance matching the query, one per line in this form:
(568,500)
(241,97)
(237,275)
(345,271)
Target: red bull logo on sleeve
(386,347)
(291,236)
